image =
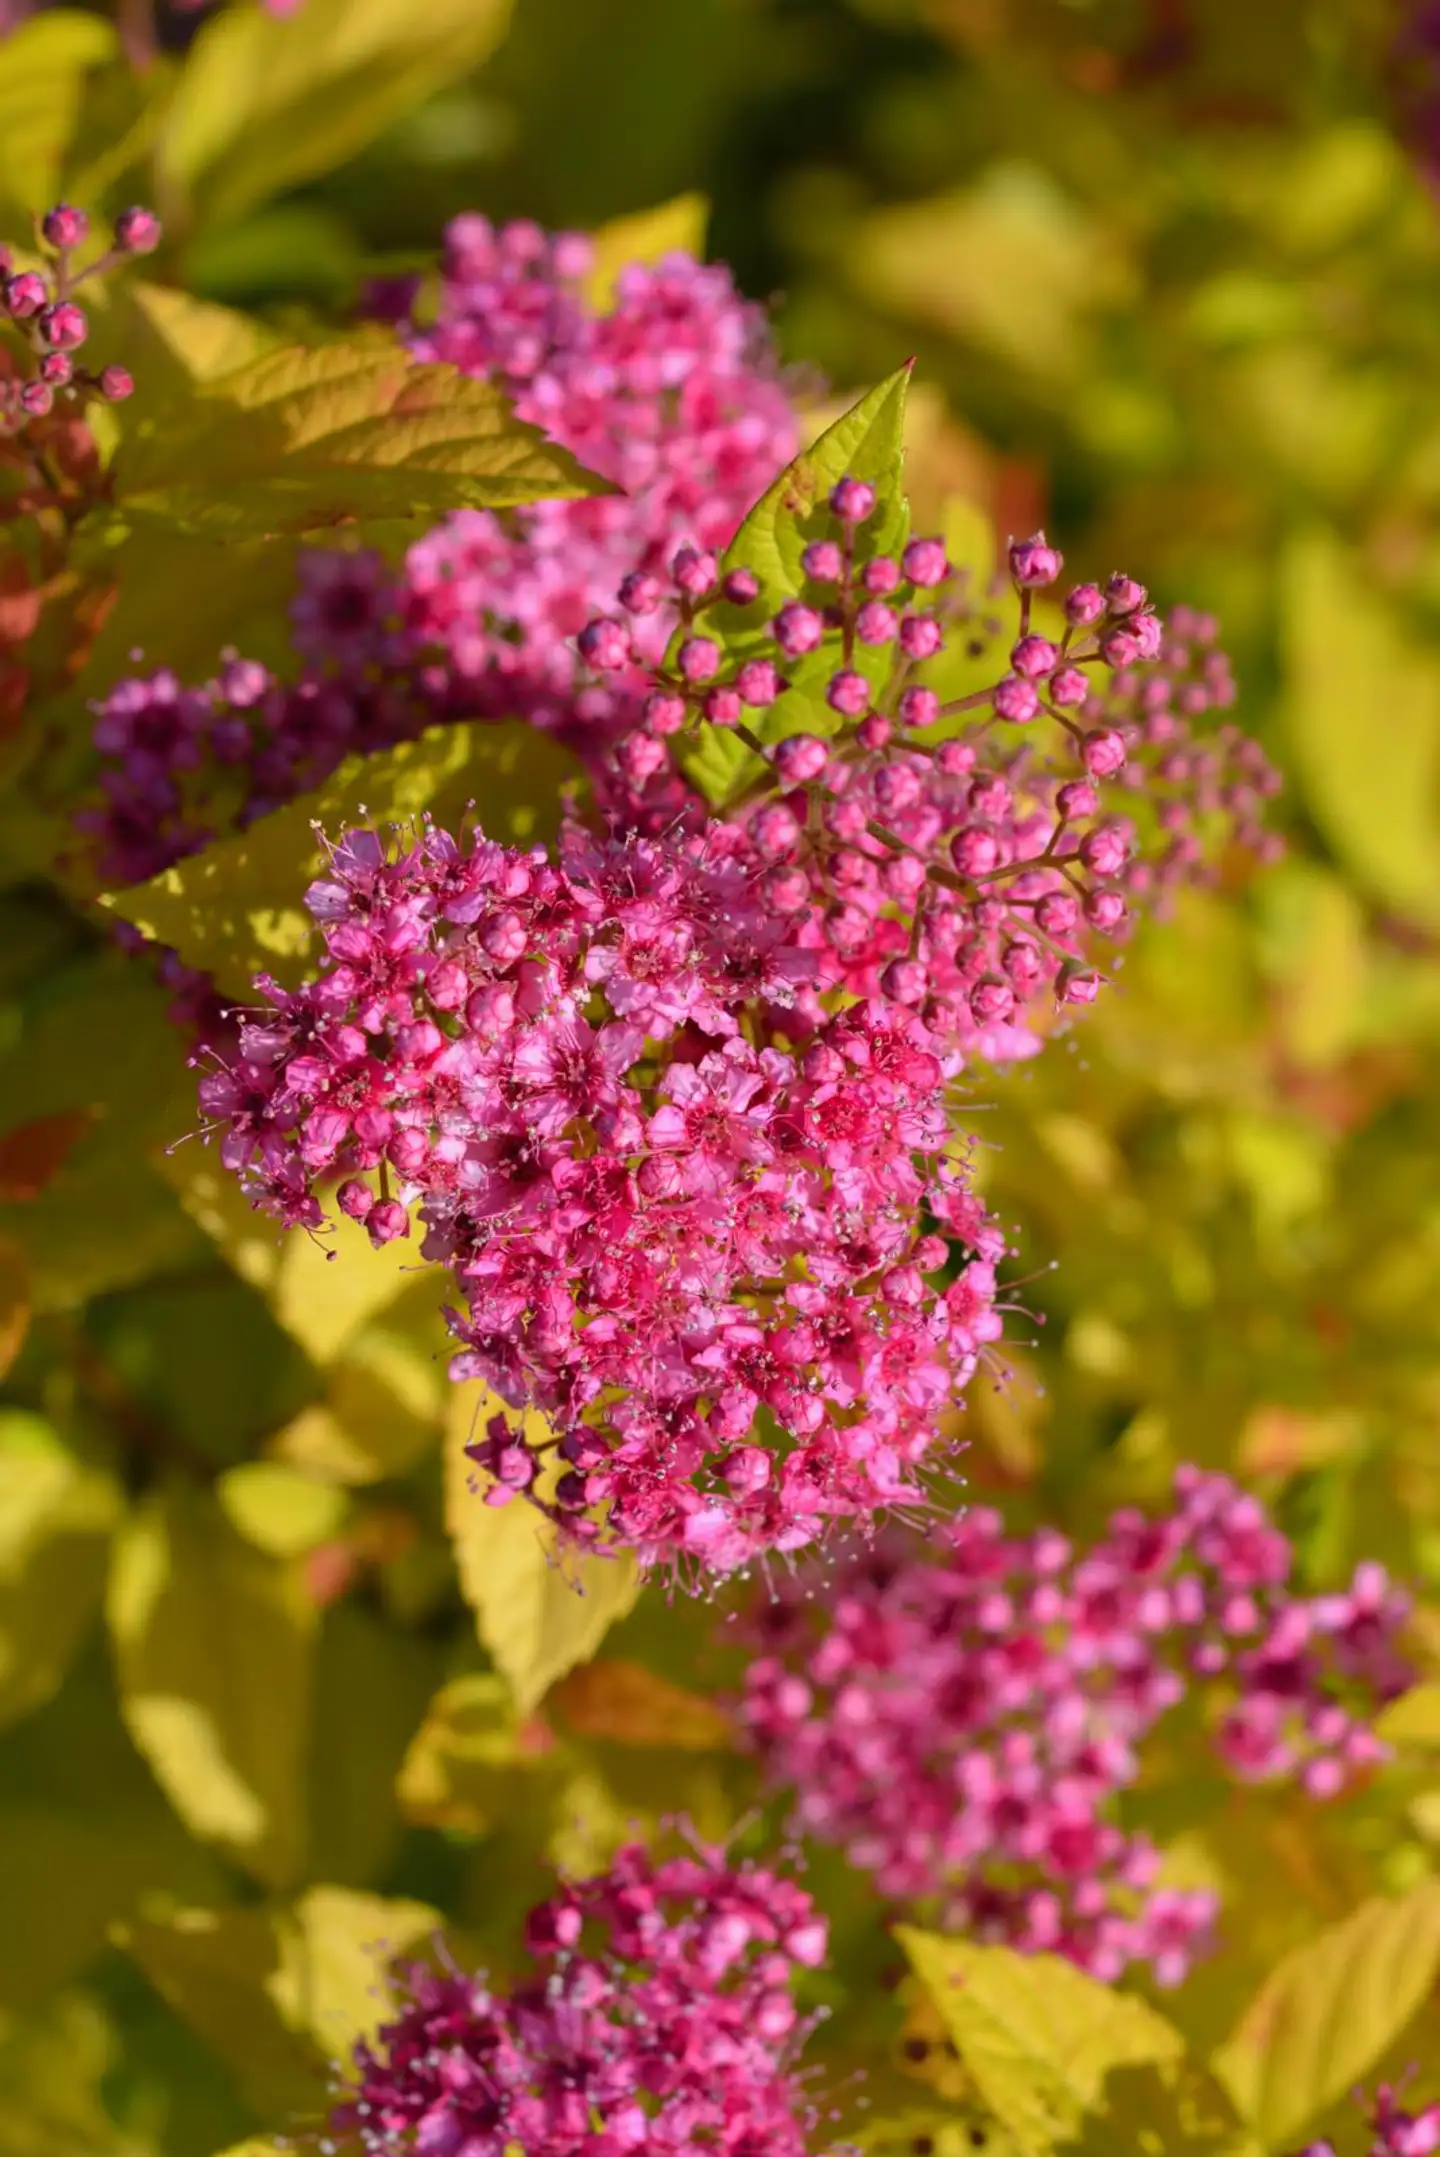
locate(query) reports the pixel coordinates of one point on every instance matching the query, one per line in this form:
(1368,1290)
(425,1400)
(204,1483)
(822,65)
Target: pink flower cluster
(1393,2131)
(659,2018)
(961,865)
(41,306)
(962,1721)
(741,1280)
(673,394)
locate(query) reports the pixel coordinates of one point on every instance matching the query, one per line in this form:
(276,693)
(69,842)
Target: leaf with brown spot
(629,1705)
(33,1153)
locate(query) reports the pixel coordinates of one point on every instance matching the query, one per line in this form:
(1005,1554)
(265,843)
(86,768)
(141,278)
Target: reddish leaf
(32,1153)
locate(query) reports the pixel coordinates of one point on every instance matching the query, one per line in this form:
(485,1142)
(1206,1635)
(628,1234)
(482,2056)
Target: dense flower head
(962,1720)
(657,2016)
(968,851)
(723,1239)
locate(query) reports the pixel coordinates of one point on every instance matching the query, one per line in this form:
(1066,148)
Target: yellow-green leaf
(1036,2036)
(52,2068)
(236,910)
(1329,2011)
(867,442)
(472,1760)
(265,102)
(1356,674)
(42,82)
(540,1609)
(671,228)
(305,439)
(57,1514)
(279,1510)
(214,1646)
(281,1995)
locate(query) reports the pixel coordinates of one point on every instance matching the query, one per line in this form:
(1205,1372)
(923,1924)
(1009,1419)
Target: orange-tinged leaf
(630,1705)
(33,1153)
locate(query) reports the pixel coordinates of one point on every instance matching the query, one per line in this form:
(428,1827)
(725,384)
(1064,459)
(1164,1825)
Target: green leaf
(282,1995)
(540,1610)
(263,103)
(1035,2035)
(671,228)
(235,910)
(52,2069)
(1413,1719)
(1329,2011)
(305,440)
(42,84)
(867,442)
(214,1649)
(471,1762)
(1354,671)
(372,1682)
(57,1514)
(84,1836)
(280,1511)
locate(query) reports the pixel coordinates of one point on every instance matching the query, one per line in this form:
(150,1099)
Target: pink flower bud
(876,623)
(1034,563)
(822,562)
(874,731)
(695,572)
(64,226)
(1123,595)
(1076,984)
(1075,799)
(1103,753)
(921,636)
(723,707)
(924,562)
(25,294)
(799,758)
(918,706)
(1084,604)
(848,693)
(975,850)
(797,629)
(1015,700)
(881,576)
(664,712)
(699,659)
(758,683)
(137,231)
(852,500)
(740,587)
(116,384)
(1033,657)
(640,593)
(605,644)
(1068,688)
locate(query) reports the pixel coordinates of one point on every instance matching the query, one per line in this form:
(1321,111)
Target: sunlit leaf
(279,1510)
(676,227)
(57,1514)
(473,1760)
(42,83)
(264,102)
(1330,2010)
(540,1609)
(867,443)
(629,1705)
(236,910)
(302,440)
(1036,2036)
(214,1647)
(1353,675)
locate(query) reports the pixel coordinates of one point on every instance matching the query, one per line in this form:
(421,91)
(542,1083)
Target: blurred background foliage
(1171,275)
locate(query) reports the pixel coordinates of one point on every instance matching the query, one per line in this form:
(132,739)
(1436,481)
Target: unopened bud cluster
(40,308)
